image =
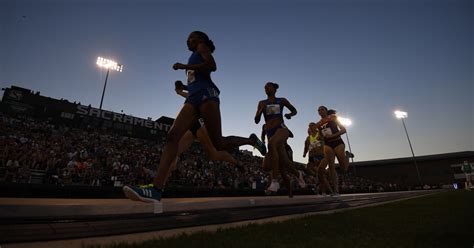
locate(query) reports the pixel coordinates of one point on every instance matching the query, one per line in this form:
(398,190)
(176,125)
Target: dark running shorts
(203,95)
(315,158)
(272,131)
(335,143)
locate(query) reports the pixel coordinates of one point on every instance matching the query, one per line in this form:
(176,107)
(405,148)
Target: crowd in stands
(71,156)
(35,151)
(349,183)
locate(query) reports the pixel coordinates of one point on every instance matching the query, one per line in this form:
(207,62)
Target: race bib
(191,76)
(326,131)
(201,122)
(314,145)
(273,109)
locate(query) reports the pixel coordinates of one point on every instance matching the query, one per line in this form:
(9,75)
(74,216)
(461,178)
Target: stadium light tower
(346,122)
(402,115)
(109,65)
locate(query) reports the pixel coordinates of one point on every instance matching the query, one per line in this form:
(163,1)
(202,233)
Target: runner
(276,131)
(202,101)
(334,146)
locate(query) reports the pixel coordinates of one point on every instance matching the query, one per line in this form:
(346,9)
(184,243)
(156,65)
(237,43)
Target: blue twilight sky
(363,58)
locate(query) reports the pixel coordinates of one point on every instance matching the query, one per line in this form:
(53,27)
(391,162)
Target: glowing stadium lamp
(346,122)
(109,65)
(400,114)
(403,115)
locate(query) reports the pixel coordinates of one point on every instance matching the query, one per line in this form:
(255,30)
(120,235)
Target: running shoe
(274,187)
(259,144)
(335,194)
(144,193)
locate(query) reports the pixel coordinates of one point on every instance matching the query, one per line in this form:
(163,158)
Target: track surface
(28,230)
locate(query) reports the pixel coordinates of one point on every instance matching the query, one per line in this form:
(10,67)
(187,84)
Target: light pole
(402,115)
(110,65)
(346,122)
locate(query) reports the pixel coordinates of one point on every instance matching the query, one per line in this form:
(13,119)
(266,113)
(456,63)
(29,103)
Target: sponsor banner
(121,118)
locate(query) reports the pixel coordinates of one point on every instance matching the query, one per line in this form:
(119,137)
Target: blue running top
(198,80)
(273,110)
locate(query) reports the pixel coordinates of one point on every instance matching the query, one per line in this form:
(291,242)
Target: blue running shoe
(259,144)
(145,193)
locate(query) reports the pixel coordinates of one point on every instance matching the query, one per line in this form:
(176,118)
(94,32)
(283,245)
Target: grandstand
(57,144)
(435,170)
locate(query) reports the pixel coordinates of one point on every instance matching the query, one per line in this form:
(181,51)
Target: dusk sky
(363,58)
